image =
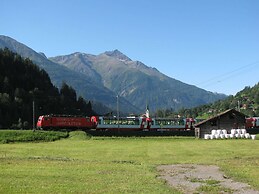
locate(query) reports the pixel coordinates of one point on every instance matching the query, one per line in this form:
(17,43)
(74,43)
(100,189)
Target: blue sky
(213,44)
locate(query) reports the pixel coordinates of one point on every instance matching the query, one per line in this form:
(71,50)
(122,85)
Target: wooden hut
(230,119)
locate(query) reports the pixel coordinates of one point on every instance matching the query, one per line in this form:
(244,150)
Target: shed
(229,119)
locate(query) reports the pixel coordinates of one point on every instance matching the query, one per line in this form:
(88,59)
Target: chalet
(230,119)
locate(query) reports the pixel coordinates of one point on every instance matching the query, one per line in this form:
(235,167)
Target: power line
(227,75)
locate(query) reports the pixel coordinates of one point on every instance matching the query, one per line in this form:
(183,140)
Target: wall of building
(226,121)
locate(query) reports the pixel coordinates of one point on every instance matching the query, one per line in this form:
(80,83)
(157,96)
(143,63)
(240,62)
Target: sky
(212,44)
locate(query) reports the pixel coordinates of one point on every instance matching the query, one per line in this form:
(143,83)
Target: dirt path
(191,178)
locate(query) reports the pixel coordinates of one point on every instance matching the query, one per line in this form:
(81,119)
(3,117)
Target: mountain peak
(117,54)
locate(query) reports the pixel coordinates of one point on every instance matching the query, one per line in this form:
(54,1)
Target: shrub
(7,136)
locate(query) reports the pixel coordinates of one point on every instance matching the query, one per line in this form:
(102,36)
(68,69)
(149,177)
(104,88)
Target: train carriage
(169,124)
(123,123)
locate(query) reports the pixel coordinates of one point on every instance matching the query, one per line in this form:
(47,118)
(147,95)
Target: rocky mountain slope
(102,77)
(135,81)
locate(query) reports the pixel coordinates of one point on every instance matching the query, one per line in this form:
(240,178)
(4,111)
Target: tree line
(22,84)
(245,101)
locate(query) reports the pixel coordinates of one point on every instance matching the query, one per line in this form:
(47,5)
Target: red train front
(65,122)
(252,122)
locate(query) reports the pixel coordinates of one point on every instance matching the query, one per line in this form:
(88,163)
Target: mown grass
(117,165)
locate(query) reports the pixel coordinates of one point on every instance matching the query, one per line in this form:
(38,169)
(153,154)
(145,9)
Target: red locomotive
(65,122)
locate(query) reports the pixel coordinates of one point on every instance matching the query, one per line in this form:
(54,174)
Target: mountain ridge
(130,78)
(104,76)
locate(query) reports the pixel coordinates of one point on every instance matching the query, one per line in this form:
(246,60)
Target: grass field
(80,164)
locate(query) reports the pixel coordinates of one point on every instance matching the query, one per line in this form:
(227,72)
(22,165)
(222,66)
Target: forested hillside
(22,83)
(247,101)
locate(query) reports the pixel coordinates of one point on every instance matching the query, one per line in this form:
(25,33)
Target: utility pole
(118,113)
(33,115)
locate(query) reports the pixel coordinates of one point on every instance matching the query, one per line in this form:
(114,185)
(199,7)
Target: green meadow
(81,164)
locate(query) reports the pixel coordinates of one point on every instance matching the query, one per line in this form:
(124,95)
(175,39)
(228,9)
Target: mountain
(136,82)
(103,77)
(81,83)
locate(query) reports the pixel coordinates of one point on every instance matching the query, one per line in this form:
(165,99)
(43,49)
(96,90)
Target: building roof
(219,115)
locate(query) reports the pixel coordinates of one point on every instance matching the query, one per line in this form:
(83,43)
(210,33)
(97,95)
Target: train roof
(61,115)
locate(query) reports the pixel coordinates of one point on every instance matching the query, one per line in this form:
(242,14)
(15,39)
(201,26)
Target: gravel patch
(192,178)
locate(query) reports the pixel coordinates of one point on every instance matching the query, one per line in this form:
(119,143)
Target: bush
(7,136)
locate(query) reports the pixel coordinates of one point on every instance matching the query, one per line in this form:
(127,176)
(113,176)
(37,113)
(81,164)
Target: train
(132,123)
(102,123)
(252,122)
